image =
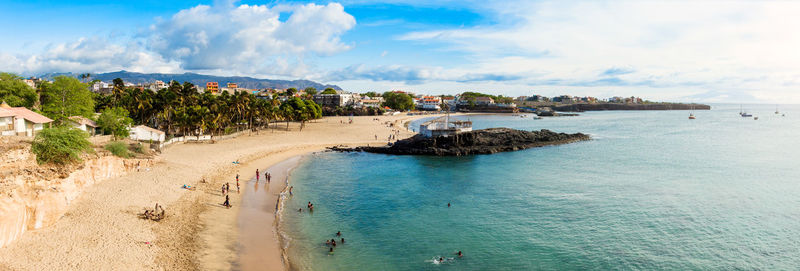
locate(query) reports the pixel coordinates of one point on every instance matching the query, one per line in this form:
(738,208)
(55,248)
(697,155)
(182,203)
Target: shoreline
(100,229)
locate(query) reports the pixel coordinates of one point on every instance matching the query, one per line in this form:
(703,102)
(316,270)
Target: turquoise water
(653,190)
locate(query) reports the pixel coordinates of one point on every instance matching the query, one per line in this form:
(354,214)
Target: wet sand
(258,217)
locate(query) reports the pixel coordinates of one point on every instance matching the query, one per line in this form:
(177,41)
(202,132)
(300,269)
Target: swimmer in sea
(333,242)
(338,233)
(460,254)
(330,251)
(342,241)
(327,242)
(448,204)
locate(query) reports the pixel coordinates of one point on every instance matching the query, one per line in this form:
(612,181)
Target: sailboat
(691,113)
(743,114)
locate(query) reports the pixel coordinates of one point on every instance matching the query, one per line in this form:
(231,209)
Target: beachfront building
(144,133)
(373,102)
(444,127)
(431,103)
(20,121)
(84,124)
(484,101)
(341,99)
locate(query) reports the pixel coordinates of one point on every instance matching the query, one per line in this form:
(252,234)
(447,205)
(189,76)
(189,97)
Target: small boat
(743,113)
(691,116)
(776,110)
(537,118)
(755,118)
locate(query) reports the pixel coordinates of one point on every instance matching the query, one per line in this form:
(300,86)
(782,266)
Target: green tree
(291,91)
(398,101)
(60,145)
(329,91)
(15,92)
(372,94)
(311,91)
(66,97)
(115,121)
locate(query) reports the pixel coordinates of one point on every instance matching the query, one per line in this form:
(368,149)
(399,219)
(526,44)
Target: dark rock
(485,141)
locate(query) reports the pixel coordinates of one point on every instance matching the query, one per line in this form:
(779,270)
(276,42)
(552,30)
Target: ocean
(652,190)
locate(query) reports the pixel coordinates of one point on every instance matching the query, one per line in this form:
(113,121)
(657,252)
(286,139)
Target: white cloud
(250,39)
(710,46)
(221,39)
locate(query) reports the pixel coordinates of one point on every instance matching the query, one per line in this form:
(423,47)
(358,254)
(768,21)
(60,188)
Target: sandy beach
(101,230)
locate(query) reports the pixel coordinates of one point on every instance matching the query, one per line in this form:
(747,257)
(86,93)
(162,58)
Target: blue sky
(679,50)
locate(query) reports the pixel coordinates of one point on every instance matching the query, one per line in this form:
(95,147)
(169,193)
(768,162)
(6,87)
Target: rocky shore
(484,141)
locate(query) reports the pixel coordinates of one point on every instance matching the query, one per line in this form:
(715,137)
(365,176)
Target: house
(20,121)
(102,87)
(158,85)
(84,124)
(144,133)
(342,99)
(374,103)
(484,101)
(430,103)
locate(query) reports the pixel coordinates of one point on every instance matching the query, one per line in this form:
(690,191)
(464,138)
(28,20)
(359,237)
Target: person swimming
(333,242)
(460,254)
(342,241)
(330,251)
(338,233)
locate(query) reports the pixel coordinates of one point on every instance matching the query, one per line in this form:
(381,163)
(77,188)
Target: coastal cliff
(484,141)
(34,196)
(620,106)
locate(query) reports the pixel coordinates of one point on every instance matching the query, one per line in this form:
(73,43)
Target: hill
(201,80)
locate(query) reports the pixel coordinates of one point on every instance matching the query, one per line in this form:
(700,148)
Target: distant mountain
(201,80)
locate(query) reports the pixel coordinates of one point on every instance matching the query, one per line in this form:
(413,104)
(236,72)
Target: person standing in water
(258,175)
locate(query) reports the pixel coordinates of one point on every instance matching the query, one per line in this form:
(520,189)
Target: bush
(118,148)
(138,148)
(60,145)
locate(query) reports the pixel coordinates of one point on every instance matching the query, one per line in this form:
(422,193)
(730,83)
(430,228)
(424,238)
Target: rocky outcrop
(622,106)
(475,142)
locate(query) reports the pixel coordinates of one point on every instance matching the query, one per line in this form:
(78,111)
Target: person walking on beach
(237,187)
(266,176)
(227,202)
(223,189)
(237,177)
(290,190)
(228,187)
(258,175)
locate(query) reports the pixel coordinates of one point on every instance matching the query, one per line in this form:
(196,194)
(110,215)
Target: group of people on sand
(267,176)
(332,243)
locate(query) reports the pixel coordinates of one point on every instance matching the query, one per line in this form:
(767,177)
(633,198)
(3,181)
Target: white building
(374,103)
(430,103)
(343,99)
(20,121)
(102,87)
(158,85)
(144,133)
(84,124)
(444,127)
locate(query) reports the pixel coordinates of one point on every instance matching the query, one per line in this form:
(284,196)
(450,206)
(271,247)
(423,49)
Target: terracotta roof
(82,120)
(148,129)
(22,112)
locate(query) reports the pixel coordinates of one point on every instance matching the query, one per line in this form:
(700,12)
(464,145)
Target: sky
(685,51)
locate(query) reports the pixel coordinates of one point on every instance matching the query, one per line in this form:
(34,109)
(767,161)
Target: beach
(101,229)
